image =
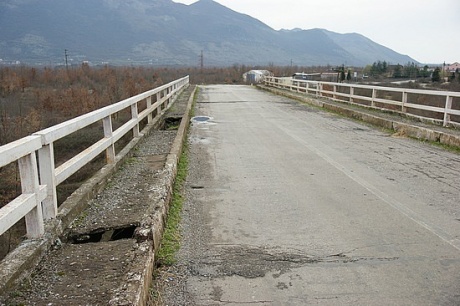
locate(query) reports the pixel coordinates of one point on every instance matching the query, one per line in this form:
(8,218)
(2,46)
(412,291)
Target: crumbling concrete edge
(153,225)
(410,130)
(19,263)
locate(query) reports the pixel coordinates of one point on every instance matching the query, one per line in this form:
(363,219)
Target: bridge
(291,205)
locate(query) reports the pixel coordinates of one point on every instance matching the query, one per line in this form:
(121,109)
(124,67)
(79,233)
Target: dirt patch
(82,274)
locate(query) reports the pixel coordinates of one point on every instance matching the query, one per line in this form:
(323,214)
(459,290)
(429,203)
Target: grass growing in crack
(170,242)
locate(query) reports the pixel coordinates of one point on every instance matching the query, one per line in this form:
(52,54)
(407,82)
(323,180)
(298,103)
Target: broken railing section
(35,155)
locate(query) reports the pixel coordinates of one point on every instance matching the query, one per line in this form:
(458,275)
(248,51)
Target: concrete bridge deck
(287,205)
(291,205)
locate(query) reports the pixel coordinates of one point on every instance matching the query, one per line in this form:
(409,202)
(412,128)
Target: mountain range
(163,32)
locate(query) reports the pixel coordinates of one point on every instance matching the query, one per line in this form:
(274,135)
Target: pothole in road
(253,262)
(249,262)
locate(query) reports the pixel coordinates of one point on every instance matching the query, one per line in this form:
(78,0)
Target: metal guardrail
(344,92)
(39,177)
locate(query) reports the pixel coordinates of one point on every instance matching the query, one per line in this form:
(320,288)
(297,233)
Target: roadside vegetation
(421,76)
(171,240)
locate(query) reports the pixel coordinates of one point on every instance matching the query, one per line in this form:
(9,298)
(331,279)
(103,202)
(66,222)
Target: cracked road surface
(289,205)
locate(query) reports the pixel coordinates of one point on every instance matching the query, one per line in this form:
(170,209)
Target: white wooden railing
(345,92)
(38,201)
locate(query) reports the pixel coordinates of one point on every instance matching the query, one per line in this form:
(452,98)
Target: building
(256,76)
(307,76)
(452,68)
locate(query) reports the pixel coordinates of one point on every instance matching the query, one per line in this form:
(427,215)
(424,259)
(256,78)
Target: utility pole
(201,61)
(66,63)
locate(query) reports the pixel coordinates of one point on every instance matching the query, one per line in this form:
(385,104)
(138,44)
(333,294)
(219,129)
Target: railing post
(334,96)
(149,105)
(352,93)
(48,178)
(447,109)
(320,85)
(108,133)
(169,93)
(158,100)
(374,95)
(29,183)
(165,94)
(135,116)
(404,101)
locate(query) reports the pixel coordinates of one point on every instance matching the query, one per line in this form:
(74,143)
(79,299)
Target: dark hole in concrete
(123,233)
(172,123)
(197,187)
(88,238)
(104,236)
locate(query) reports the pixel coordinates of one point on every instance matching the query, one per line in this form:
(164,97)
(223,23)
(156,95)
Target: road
(290,205)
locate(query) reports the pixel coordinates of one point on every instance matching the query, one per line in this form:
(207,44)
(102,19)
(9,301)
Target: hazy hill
(163,32)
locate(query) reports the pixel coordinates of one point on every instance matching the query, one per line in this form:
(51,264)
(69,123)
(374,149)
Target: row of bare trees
(32,99)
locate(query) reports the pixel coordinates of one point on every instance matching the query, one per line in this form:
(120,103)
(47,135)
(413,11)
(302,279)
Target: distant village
(379,70)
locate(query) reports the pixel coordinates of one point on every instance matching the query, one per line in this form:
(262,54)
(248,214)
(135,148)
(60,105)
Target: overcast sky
(426,30)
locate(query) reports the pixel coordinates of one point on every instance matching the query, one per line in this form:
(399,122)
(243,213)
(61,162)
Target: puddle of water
(201,119)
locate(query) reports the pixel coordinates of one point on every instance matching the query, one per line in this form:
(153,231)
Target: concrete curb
(152,227)
(406,129)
